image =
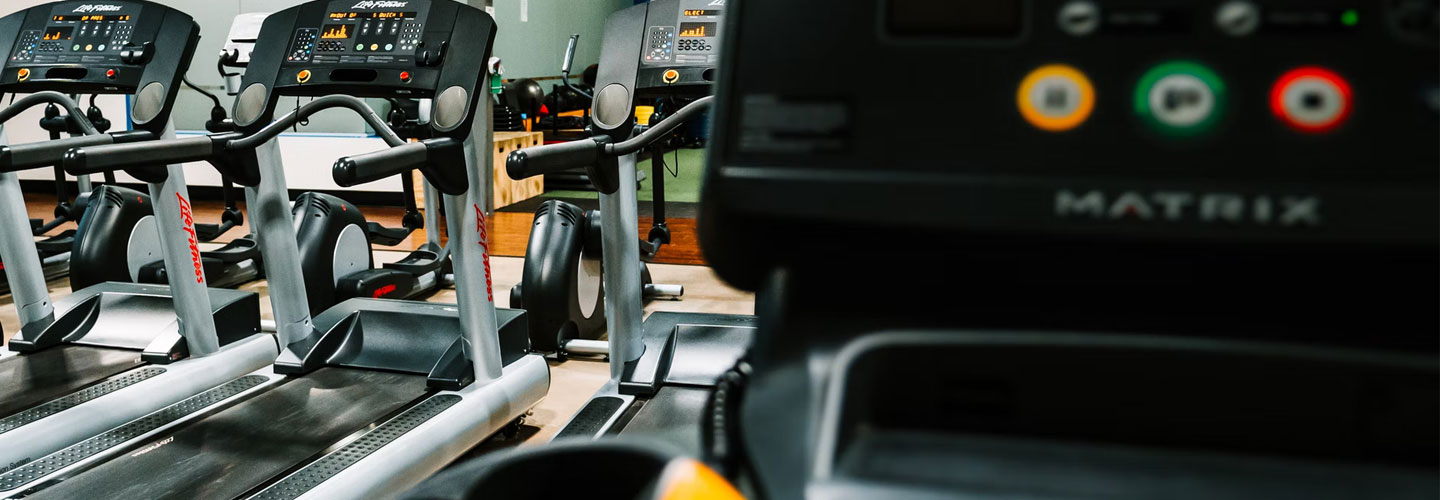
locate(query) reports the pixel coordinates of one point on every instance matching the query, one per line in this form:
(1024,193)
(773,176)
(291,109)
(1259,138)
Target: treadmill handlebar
(353,170)
(49,97)
(17,157)
(552,158)
(96,159)
(275,128)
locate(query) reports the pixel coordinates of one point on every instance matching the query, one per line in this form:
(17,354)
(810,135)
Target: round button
(1311,99)
(1079,17)
(389,46)
(670,76)
(1180,97)
(374,46)
(1055,97)
(1237,18)
(23,74)
(303,76)
(359,46)
(405,76)
(110,73)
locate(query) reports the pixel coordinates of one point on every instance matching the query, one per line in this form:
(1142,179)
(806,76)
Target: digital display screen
(949,18)
(696,30)
(372,15)
(93,18)
(336,31)
(58,33)
(698,12)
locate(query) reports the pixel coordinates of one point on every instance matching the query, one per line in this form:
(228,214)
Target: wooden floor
(510,231)
(572,382)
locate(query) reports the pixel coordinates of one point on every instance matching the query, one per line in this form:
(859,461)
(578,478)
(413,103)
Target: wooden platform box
(505,190)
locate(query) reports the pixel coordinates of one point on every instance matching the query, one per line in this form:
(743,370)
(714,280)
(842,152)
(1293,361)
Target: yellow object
(687,479)
(642,114)
(303,76)
(23,74)
(670,76)
(1055,97)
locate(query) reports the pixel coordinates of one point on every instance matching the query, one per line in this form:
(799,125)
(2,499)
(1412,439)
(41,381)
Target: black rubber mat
(233,451)
(591,418)
(27,380)
(672,416)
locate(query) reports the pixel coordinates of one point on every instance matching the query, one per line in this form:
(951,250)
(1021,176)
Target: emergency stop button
(670,76)
(23,74)
(110,73)
(303,76)
(1311,99)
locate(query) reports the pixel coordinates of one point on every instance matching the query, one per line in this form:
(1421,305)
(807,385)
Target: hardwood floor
(510,231)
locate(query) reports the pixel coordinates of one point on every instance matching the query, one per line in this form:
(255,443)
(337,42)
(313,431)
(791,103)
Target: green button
(359,46)
(1180,98)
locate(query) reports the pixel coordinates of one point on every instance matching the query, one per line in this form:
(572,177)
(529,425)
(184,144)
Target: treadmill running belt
(229,453)
(27,380)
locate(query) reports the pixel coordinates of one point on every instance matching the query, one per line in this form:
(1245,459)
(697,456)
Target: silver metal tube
(268,205)
(582,347)
(83,182)
(663,291)
(470,252)
(180,248)
(624,305)
(432,212)
(22,261)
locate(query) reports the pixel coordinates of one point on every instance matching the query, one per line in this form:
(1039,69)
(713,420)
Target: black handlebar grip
(90,160)
(551,158)
(353,170)
(19,157)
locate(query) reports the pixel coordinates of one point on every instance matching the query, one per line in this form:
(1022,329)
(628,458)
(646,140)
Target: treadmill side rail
(482,410)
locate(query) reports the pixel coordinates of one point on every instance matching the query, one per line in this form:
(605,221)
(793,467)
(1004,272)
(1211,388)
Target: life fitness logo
(484,250)
(380,4)
(187,219)
(97,8)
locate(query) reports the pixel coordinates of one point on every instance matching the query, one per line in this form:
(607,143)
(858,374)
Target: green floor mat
(684,187)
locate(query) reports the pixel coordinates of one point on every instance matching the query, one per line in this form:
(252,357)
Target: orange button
(404,76)
(1055,97)
(23,74)
(670,76)
(303,76)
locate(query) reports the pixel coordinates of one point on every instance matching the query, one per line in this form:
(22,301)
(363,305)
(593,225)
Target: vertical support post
(624,308)
(268,205)
(432,212)
(470,251)
(180,247)
(22,261)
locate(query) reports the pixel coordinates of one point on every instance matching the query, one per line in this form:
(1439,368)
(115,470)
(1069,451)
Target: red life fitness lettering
(187,221)
(382,291)
(484,250)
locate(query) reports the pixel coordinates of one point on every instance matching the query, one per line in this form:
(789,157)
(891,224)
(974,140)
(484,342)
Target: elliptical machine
(563,281)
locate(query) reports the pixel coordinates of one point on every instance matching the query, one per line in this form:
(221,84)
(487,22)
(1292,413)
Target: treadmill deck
(34,378)
(230,453)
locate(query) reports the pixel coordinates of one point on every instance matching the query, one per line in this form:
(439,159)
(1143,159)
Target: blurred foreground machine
(1191,249)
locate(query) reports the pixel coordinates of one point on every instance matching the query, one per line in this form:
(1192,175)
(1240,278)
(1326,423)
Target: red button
(1311,99)
(110,73)
(404,76)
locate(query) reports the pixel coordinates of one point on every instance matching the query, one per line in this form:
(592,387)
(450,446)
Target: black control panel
(681,46)
(370,48)
(367,35)
(1254,120)
(118,47)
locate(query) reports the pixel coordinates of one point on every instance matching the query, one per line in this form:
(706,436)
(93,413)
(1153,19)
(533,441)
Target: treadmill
(376,394)
(113,352)
(662,368)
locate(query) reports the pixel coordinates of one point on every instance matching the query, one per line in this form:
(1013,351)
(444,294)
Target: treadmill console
(1244,121)
(658,48)
(412,48)
(110,47)
(682,42)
